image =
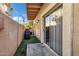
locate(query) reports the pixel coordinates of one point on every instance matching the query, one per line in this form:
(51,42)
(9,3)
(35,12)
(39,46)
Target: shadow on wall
(11,35)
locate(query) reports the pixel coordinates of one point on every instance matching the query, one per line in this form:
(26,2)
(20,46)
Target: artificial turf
(22,49)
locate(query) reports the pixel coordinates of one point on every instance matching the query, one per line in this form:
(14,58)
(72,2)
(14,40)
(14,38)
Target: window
(53,30)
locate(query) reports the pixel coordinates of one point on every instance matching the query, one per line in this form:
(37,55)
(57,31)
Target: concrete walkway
(37,49)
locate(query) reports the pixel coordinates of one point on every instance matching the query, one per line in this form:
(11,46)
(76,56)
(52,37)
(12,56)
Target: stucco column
(67,29)
(42,30)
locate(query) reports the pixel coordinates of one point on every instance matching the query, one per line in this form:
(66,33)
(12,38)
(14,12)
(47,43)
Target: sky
(19,12)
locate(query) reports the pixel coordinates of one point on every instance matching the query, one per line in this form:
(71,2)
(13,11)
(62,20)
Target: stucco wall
(10,37)
(67,29)
(76,30)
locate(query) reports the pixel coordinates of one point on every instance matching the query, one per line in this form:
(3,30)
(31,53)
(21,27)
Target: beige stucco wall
(71,29)
(9,41)
(67,29)
(76,30)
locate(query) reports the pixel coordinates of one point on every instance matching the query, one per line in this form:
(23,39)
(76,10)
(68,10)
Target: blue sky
(19,12)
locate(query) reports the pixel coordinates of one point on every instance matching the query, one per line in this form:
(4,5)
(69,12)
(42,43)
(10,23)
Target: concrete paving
(37,49)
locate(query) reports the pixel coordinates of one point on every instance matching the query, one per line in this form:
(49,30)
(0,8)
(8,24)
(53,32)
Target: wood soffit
(33,9)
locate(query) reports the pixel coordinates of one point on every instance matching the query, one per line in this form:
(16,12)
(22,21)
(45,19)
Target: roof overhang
(33,9)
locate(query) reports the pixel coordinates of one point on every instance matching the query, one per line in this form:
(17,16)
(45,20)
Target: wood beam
(31,17)
(36,10)
(32,9)
(32,12)
(34,6)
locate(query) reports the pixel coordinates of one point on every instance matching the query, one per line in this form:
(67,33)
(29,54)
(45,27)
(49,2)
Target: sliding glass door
(53,30)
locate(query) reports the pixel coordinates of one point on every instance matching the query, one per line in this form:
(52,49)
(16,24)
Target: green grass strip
(22,49)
